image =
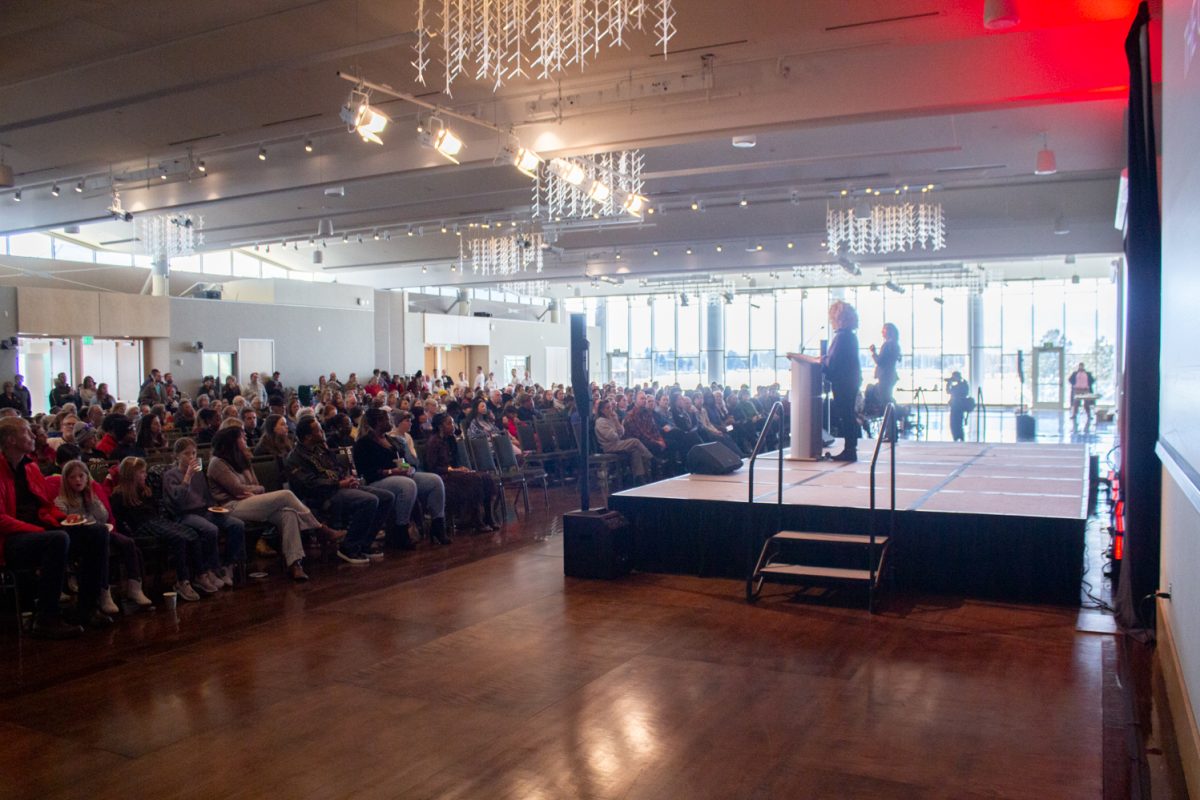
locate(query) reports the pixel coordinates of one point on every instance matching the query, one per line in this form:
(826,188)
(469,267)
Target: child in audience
(186,495)
(140,516)
(79,495)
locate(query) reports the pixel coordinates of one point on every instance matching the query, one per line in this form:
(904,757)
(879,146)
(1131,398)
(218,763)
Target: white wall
(308,341)
(517,338)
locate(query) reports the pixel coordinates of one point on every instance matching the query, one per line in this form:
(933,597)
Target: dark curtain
(1140,469)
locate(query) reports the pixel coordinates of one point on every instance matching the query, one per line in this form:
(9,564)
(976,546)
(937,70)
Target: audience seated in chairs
(611,436)
(187,496)
(233,485)
(387,463)
(140,515)
(467,491)
(32,537)
(328,488)
(79,495)
(276,439)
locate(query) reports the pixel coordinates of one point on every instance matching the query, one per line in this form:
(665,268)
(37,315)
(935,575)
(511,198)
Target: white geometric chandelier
(507,255)
(590,187)
(537,288)
(890,224)
(171,235)
(499,40)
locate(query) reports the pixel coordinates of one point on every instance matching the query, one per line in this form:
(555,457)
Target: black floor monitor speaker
(713,458)
(596,544)
(1026,428)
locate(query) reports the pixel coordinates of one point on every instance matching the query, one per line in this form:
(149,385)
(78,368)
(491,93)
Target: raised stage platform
(1001,521)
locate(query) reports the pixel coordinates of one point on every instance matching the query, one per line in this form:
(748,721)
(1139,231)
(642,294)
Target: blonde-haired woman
(844,371)
(79,495)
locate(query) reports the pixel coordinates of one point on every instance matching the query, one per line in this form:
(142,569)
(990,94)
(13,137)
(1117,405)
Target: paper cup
(169,599)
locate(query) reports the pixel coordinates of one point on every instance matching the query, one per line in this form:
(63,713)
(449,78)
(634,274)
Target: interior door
(1048,378)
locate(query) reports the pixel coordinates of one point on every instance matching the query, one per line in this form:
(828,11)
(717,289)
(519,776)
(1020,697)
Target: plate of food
(71,520)
(218,509)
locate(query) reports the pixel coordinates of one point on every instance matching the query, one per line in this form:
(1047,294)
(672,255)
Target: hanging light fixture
(362,118)
(54,191)
(569,171)
(507,39)
(442,139)
(527,162)
(635,204)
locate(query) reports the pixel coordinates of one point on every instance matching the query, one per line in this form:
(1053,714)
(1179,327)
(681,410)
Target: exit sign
(88,340)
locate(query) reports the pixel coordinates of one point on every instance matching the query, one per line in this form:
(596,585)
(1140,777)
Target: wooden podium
(807,439)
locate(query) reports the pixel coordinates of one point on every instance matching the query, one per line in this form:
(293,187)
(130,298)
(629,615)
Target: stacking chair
(464,453)
(529,444)
(550,449)
(481,450)
(9,583)
(506,458)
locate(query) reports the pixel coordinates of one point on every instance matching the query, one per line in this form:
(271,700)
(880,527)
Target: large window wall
(658,338)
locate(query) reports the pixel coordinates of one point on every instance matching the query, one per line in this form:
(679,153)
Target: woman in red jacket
(33,536)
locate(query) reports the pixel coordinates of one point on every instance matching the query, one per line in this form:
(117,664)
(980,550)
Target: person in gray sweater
(611,435)
(187,497)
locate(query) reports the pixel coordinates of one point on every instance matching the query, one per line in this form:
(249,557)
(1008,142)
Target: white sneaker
(225,576)
(205,583)
(106,602)
(133,591)
(186,592)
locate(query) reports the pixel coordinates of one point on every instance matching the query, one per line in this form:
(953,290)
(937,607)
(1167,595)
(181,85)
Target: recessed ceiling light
(743,202)
(790,245)
(688,251)
(696,205)
(654,252)
(720,249)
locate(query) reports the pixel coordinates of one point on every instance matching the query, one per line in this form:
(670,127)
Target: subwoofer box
(713,458)
(596,544)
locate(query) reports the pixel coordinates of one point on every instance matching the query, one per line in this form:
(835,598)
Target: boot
(134,593)
(397,536)
(107,606)
(437,531)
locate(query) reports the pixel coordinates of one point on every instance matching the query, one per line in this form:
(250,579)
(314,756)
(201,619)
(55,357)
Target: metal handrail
(886,429)
(777,407)
(980,414)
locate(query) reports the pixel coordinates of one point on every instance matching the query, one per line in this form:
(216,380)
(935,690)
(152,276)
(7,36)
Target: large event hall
(599,399)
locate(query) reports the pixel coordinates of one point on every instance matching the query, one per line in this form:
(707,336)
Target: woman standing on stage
(887,362)
(844,372)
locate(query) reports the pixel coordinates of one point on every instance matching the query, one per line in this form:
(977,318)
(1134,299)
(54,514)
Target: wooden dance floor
(479,671)
(992,520)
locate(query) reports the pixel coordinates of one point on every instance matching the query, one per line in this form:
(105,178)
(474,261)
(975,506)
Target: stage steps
(807,558)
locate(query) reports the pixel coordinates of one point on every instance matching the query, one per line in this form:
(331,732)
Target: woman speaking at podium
(844,372)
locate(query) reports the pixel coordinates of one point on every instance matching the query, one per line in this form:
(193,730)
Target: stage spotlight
(895,287)
(569,171)
(527,162)
(79,187)
(54,190)
(308,145)
(635,205)
(364,120)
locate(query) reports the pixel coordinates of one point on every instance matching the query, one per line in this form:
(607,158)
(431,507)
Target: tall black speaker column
(581,385)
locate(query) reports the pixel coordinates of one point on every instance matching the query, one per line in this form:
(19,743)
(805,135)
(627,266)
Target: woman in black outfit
(466,490)
(887,363)
(844,372)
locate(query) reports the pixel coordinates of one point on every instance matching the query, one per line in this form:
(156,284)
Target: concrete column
(160,270)
(975,341)
(556,313)
(156,354)
(464,302)
(714,340)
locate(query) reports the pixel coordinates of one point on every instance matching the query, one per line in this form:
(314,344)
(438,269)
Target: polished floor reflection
(479,671)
